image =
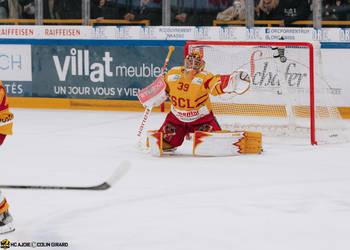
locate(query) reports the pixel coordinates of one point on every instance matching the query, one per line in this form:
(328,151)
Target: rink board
(107,74)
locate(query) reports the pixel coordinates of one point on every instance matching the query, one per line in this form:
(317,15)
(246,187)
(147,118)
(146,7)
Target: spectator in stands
(180,19)
(69,9)
(346,9)
(51,9)
(28,9)
(10,9)
(102,9)
(267,10)
(293,10)
(4,13)
(189,14)
(217,5)
(192,18)
(341,10)
(146,11)
(209,12)
(335,10)
(327,11)
(234,12)
(15,9)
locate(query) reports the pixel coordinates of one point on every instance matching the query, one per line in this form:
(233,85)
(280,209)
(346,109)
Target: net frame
(311,53)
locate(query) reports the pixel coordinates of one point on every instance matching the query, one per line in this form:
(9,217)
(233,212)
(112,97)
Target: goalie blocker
(219,143)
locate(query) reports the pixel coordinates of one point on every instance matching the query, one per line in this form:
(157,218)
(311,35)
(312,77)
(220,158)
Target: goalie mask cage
(288,95)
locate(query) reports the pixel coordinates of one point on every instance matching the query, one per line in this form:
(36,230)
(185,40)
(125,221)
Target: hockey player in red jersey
(6,117)
(189,88)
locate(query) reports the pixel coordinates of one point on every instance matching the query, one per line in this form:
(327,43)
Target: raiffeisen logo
(78,63)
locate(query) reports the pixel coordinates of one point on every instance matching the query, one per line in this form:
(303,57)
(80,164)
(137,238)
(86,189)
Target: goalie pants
(174,130)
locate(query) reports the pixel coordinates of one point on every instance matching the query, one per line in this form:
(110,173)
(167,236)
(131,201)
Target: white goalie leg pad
(155,142)
(225,143)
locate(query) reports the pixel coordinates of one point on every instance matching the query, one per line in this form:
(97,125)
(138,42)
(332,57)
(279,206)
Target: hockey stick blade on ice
(122,169)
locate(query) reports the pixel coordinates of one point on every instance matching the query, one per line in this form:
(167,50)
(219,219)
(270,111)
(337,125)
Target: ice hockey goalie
(189,88)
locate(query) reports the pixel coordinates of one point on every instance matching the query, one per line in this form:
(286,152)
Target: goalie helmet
(194,61)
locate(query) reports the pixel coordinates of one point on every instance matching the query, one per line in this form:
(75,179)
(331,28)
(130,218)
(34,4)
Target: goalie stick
(148,110)
(121,170)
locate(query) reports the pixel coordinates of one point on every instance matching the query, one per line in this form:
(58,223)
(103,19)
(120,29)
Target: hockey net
(288,95)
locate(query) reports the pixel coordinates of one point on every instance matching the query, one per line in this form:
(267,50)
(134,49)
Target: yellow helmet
(194,61)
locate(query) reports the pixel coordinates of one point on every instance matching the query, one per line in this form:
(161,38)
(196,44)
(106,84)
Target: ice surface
(290,197)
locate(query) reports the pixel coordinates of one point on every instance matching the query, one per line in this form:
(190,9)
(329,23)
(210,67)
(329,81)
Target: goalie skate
(6,223)
(155,144)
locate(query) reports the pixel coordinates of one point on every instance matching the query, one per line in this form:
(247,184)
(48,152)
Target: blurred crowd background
(183,12)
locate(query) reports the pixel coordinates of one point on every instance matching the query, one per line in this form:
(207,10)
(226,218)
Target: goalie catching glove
(238,82)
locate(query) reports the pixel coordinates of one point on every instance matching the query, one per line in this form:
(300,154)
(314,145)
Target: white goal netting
(288,96)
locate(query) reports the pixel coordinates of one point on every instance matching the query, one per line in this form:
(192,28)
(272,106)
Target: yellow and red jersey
(6,116)
(190,97)
(3,204)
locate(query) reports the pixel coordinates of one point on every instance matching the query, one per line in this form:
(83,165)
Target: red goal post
(259,58)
